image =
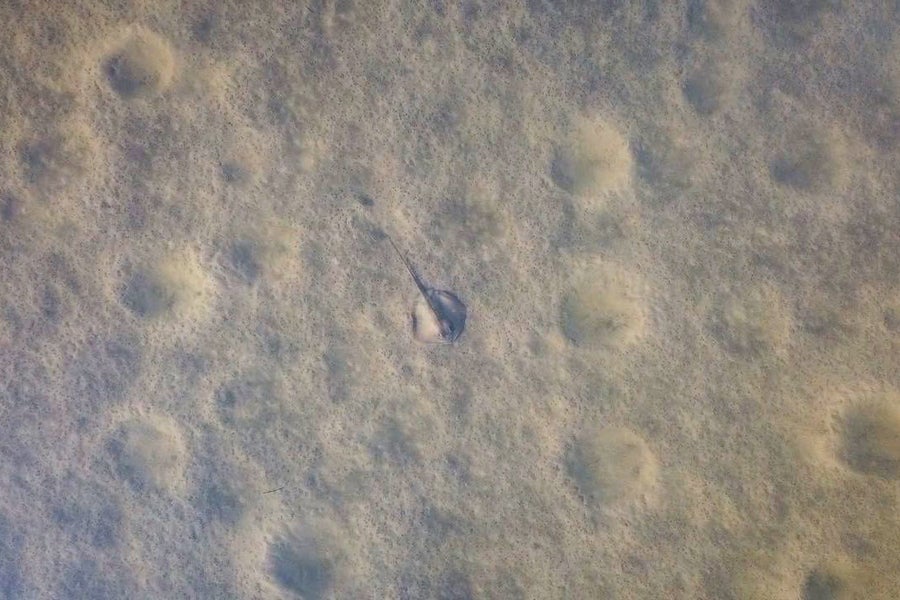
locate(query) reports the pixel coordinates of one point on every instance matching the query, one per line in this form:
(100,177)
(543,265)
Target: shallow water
(674,225)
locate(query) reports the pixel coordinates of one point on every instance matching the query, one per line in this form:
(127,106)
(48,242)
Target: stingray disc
(439,317)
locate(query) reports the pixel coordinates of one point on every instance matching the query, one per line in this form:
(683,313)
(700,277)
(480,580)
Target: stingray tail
(412,271)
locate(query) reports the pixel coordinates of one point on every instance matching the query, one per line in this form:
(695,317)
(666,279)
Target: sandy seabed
(675,225)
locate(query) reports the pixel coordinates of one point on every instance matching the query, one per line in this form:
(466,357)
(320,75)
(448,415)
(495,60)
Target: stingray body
(445,307)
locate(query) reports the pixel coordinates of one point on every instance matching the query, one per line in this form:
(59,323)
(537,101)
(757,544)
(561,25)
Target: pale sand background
(676,226)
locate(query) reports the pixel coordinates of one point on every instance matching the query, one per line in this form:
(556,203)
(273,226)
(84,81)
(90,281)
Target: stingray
(445,307)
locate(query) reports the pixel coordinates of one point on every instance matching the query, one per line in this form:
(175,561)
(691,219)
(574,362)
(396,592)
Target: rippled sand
(675,226)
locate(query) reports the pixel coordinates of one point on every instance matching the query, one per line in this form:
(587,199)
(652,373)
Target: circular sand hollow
(891,314)
(611,465)
(595,159)
(149,453)
(794,23)
(60,157)
(474,216)
(823,585)
(602,309)
(236,171)
(303,564)
(145,295)
(870,438)
(665,161)
(140,67)
(175,285)
(244,149)
(261,251)
(703,89)
(248,401)
(752,322)
(837,580)
(808,160)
